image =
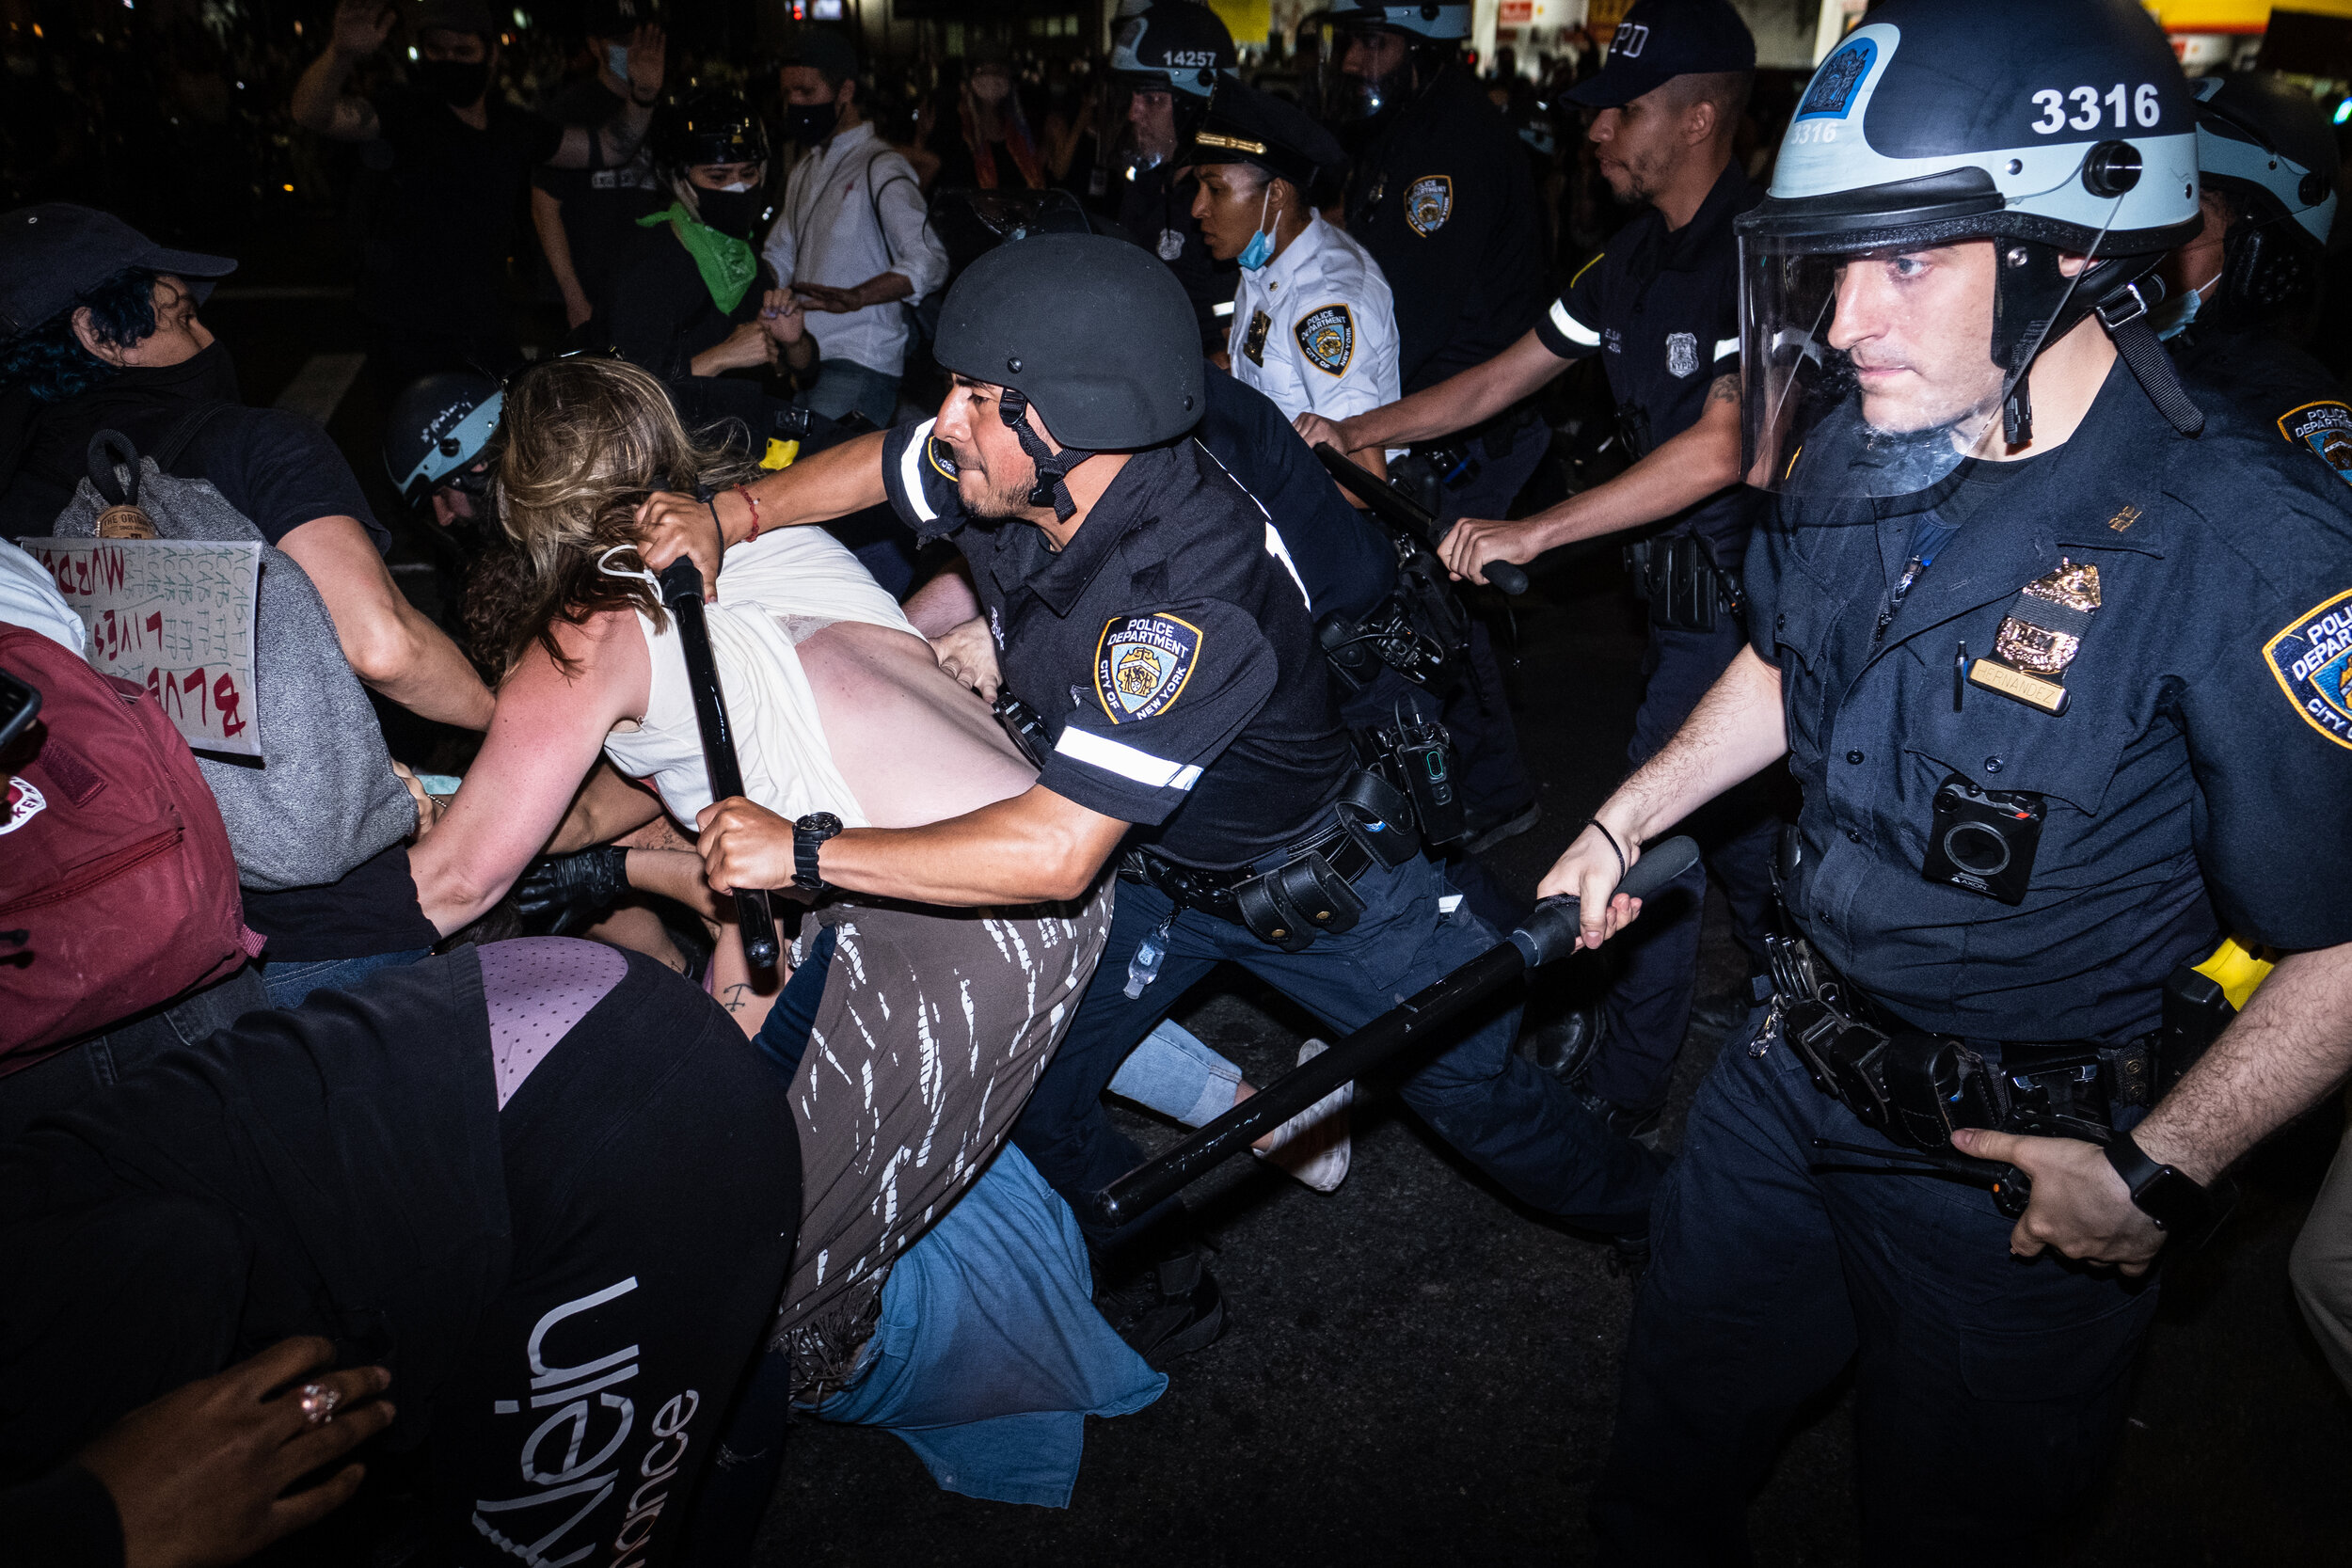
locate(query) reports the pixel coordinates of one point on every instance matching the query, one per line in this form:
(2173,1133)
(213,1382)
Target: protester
(849,241)
(994,150)
(582,215)
(442,222)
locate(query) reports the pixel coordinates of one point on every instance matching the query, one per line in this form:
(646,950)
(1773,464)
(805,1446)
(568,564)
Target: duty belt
(1306,895)
(1919,1087)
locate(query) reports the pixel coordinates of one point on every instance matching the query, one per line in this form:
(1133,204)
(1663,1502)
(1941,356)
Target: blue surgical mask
(1259,250)
(616,59)
(2171,318)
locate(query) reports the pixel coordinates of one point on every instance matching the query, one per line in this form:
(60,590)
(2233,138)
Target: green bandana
(727,265)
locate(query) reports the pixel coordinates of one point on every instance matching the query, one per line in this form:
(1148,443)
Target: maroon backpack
(118,890)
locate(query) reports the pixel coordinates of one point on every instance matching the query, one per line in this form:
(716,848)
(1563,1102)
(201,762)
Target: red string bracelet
(754,503)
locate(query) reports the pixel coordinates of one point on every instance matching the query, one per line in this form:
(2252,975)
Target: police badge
(2326,429)
(1682,353)
(1171,245)
(1141,664)
(2040,636)
(2312,661)
(1428,202)
(1327,339)
(1254,341)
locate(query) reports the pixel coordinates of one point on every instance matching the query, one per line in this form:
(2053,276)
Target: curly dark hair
(49,360)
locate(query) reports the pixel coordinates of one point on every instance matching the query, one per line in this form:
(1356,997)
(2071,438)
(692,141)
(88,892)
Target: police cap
(1247,126)
(1661,39)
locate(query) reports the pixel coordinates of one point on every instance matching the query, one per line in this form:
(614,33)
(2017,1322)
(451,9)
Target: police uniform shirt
(2202,762)
(1444,203)
(1315,329)
(1156,210)
(2286,394)
(1662,309)
(1168,650)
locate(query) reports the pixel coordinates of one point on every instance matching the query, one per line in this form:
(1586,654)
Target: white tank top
(773,593)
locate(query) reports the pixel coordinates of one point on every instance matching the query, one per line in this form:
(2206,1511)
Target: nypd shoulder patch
(2312,661)
(1328,338)
(942,459)
(2326,428)
(1428,202)
(1141,664)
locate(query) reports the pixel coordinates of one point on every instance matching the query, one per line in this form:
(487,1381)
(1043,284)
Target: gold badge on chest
(2039,638)
(1254,341)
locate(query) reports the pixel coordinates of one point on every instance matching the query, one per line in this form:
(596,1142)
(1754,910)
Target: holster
(1297,902)
(1678,579)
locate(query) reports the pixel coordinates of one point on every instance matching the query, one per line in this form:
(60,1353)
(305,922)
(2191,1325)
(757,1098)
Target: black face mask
(208,375)
(729,211)
(810,123)
(457,83)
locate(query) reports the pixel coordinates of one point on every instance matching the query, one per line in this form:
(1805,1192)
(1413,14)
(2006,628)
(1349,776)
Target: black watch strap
(2177,1204)
(808,835)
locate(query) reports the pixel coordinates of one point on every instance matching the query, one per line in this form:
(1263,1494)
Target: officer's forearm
(1458,401)
(2291,1045)
(1034,847)
(1737,730)
(1680,473)
(831,483)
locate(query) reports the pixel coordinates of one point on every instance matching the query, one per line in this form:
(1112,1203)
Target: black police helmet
(710,126)
(438,428)
(1096,332)
(1176,46)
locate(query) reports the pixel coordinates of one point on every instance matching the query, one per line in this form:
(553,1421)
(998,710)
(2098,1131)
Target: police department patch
(1142,663)
(2312,659)
(1328,338)
(2326,429)
(941,456)
(1428,202)
(1832,93)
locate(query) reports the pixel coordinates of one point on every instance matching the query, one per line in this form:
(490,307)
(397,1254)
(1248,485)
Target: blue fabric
(1990,1390)
(844,386)
(289,982)
(989,1354)
(1509,1117)
(784,1037)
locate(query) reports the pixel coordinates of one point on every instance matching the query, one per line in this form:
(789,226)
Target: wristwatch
(807,833)
(2179,1207)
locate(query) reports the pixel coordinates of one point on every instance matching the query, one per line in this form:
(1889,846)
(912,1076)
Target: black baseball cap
(455,16)
(53,254)
(1661,39)
(826,51)
(1247,126)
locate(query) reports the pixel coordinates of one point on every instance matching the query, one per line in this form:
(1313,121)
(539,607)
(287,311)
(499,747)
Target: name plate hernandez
(2040,636)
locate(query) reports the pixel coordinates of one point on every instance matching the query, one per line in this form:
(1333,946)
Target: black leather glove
(559,893)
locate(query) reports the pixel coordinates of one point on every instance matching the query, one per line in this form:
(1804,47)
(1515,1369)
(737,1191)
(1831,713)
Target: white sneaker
(1314,1145)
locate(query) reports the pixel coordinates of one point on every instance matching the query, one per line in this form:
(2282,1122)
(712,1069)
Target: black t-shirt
(1346,562)
(277,467)
(1444,203)
(1168,649)
(658,311)
(599,205)
(443,222)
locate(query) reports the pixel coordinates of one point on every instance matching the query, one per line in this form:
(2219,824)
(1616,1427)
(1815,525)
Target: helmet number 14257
(2089,111)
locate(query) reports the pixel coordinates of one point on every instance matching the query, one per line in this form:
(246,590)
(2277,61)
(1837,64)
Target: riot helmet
(1431,36)
(714,126)
(1179,48)
(2075,137)
(2266,147)
(439,428)
(1093,331)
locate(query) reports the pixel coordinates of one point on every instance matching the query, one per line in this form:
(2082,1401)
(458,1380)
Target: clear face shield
(1363,71)
(1865,374)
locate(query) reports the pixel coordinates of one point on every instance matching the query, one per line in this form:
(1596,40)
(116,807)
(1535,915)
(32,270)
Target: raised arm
(546,736)
(833,483)
(320,103)
(625,133)
(1460,400)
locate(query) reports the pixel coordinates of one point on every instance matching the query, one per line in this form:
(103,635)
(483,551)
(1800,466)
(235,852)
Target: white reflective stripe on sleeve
(1116,757)
(1222,310)
(1573,330)
(1727,346)
(910,472)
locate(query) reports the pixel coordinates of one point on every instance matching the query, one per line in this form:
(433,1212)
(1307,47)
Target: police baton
(682,592)
(1549,932)
(1407,515)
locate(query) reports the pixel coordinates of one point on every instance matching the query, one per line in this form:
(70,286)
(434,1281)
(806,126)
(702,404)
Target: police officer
(2055,727)
(1659,308)
(434,445)
(1139,607)
(1170,57)
(1313,327)
(2240,294)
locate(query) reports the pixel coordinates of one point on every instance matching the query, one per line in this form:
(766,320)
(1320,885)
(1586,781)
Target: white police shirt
(1314,330)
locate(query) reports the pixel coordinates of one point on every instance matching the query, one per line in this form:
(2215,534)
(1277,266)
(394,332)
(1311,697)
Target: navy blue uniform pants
(1990,1388)
(1649,1007)
(1515,1122)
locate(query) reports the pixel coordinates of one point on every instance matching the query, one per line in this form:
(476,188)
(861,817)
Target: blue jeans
(1513,1121)
(1647,1010)
(288,983)
(845,386)
(1990,1388)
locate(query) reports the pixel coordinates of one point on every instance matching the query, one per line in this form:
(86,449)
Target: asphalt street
(1416,1370)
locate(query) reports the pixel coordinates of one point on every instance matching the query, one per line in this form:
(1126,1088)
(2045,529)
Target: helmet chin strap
(2121,292)
(1052,467)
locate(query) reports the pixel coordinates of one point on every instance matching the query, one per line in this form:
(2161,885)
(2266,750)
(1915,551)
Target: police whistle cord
(1405,514)
(1549,932)
(682,592)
